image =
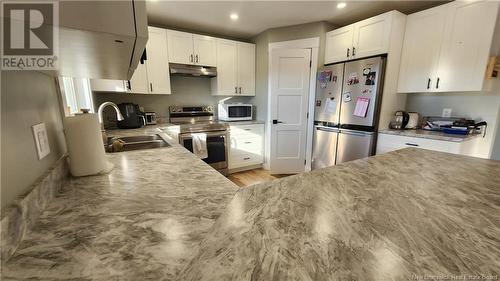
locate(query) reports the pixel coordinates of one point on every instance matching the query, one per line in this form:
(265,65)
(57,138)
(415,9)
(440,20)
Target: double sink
(130,143)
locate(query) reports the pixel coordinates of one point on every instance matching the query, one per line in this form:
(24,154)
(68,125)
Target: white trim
(307,43)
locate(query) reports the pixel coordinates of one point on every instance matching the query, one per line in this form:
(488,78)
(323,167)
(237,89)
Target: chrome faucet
(119,117)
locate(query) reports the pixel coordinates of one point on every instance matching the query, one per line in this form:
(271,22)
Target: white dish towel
(200,145)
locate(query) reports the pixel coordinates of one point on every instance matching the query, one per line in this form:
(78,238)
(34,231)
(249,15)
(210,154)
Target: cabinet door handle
(353,51)
(235,90)
(429,83)
(437,83)
(196,58)
(129,85)
(246,158)
(411,144)
(151,86)
(191,59)
(240,90)
(348,52)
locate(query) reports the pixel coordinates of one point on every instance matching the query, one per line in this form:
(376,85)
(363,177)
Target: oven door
(239,112)
(216,148)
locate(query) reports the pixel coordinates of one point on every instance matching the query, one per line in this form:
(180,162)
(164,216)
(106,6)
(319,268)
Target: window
(76,95)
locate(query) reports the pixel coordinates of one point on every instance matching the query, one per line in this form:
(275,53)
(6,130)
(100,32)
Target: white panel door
(246,69)
(371,36)
(227,56)
(138,83)
(180,47)
(466,46)
(289,84)
(422,42)
(338,45)
(157,63)
(205,50)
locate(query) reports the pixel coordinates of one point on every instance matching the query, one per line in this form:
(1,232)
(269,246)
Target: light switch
(41,140)
(446,113)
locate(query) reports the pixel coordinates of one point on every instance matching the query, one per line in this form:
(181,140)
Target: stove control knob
(209,109)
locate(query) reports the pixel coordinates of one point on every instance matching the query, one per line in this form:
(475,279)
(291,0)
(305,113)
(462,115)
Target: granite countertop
(426,134)
(143,221)
(410,214)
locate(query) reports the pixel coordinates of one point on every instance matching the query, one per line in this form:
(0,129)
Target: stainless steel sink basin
(118,144)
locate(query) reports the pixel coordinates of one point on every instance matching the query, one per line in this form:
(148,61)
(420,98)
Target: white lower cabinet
(246,146)
(387,143)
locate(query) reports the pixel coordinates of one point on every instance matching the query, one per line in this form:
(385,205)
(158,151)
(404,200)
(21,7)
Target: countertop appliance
(413,120)
(346,114)
(132,116)
(200,119)
(400,120)
(150,118)
(235,112)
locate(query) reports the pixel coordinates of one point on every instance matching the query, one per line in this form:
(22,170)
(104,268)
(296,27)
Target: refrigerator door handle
(357,133)
(327,129)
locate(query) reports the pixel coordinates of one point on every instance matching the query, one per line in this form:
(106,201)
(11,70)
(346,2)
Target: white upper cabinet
(138,83)
(371,36)
(338,45)
(362,39)
(246,69)
(446,48)
(188,48)
(180,47)
(205,50)
(108,85)
(421,50)
(235,69)
(158,74)
(466,46)
(226,82)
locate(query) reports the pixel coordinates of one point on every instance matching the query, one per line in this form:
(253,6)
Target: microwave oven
(235,112)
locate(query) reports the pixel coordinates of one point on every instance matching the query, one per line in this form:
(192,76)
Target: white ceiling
(257,16)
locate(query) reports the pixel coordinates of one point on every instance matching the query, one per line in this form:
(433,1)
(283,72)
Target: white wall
(28,98)
(473,105)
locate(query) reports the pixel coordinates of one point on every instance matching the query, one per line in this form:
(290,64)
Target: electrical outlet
(446,113)
(41,140)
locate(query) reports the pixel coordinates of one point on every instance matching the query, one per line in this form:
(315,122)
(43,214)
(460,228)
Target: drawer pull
(246,158)
(248,142)
(248,129)
(411,144)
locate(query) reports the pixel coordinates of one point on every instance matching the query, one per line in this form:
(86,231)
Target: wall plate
(446,113)
(41,140)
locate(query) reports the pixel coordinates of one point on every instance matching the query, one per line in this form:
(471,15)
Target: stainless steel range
(200,119)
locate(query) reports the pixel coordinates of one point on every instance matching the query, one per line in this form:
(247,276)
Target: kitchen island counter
(410,214)
(142,221)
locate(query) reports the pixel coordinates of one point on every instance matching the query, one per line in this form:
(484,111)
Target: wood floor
(251,177)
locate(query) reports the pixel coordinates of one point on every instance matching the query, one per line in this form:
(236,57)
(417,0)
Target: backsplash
(185,91)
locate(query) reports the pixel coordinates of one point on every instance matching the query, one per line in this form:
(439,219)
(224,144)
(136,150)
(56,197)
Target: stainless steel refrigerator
(347,107)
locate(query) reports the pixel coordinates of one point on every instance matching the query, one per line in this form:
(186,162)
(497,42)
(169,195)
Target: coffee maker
(132,116)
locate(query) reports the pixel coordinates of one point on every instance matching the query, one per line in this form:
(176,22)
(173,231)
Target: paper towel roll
(85,146)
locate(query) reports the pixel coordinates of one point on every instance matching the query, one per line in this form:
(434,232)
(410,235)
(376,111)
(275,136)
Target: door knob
(276,121)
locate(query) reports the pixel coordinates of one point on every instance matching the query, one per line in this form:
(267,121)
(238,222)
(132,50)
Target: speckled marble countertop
(143,221)
(410,214)
(435,135)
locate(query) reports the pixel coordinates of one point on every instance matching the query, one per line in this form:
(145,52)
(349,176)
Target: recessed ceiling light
(234,16)
(341,5)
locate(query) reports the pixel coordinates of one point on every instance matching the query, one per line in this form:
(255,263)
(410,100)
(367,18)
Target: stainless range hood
(192,70)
